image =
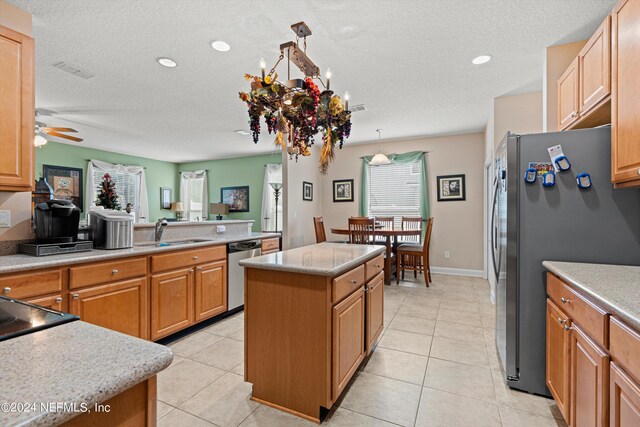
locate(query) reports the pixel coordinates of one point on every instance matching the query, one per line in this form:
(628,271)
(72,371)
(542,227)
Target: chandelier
(296,110)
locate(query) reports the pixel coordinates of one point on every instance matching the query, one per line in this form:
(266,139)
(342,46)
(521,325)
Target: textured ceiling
(408,61)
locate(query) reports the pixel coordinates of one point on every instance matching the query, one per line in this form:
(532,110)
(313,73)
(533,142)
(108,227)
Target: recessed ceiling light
(482,59)
(220,46)
(241,132)
(167,62)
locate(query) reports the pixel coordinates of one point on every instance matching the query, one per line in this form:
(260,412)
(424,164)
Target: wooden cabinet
(211,290)
(17,110)
(33,284)
(374,311)
(625,103)
(594,64)
(120,306)
(270,245)
(104,272)
(558,364)
(624,399)
(54,302)
(568,96)
(589,381)
(348,339)
(172,302)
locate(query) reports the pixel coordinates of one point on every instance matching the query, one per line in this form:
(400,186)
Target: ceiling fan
(42,130)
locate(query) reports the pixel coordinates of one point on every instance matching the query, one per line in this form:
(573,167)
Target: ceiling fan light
(39,141)
(379,160)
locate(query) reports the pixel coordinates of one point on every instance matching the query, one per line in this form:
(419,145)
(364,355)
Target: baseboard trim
(457,271)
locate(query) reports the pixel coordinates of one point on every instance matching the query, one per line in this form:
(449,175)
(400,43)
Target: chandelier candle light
(296,110)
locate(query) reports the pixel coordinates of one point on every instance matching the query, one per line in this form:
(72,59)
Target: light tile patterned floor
(435,365)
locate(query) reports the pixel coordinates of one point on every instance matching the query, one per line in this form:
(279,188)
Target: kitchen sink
(170,243)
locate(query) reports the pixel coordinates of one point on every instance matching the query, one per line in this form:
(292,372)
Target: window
(127,187)
(273,173)
(193,195)
(394,190)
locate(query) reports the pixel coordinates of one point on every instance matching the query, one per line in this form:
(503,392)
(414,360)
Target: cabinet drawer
(54,302)
(347,283)
(624,345)
(94,274)
(592,319)
(373,267)
(181,259)
(23,286)
(271,245)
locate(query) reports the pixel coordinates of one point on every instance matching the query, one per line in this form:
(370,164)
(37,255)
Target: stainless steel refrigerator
(532,223)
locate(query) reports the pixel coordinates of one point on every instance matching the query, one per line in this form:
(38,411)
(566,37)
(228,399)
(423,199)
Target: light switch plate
(221,228)
(5,219)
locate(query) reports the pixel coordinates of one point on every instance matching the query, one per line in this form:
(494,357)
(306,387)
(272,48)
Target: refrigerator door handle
(494,234)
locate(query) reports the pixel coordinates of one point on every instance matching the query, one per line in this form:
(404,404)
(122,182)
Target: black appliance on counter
(21,318)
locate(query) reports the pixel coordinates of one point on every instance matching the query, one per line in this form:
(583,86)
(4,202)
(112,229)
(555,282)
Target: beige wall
(18,203)
(457,225)
(556,61)
(298,213)
(517,113)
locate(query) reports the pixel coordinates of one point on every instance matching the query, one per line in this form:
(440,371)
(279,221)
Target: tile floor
(435,365)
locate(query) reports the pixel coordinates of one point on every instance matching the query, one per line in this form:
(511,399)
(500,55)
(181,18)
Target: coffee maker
(56,221)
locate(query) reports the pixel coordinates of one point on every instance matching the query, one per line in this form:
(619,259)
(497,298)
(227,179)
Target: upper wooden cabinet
(594,65)
(17,110)
(568,98)
(625,103)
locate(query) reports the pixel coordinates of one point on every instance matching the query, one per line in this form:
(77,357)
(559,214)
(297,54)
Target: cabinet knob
(638,171)
(6,290)
(199,268)
(354,281)
(195,257)
(59,299)
(568,328)
(378,266)
(565,301)
(114,271)
(561,321)
(76,296)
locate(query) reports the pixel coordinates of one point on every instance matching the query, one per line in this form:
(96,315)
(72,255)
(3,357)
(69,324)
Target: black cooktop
(20,318)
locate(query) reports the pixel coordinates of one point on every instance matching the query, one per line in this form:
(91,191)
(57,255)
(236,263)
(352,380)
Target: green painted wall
(235,172)
(158,174)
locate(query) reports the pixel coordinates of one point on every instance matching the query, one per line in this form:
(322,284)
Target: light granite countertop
(74,363)
(23,262)
(196,223)
(322,259)
(614,287)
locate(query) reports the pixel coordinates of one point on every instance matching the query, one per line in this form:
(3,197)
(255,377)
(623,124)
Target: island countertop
(75,363)
(322,259)
(615,287)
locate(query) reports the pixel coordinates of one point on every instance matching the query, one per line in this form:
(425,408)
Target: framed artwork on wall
(165,197)
(236,197)
(307,191)
(66,183)
(451,188)
(343,190)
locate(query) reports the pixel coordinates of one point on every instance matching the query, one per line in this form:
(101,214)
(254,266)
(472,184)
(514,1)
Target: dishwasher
(236,252)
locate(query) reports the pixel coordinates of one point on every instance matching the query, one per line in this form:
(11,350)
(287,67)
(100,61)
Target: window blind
(394,190)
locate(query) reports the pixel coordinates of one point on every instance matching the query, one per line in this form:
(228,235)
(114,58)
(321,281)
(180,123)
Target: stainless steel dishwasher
(236,252)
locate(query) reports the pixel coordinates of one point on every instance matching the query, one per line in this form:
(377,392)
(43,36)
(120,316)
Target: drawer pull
(565,301)
(200,268)
(6,290)
(114,271)
(59,299)
(354,281)
(377,266)
(561,321)
(568,328)
(76,296)
(195,257)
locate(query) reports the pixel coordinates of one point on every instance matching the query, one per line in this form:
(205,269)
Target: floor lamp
(277,186)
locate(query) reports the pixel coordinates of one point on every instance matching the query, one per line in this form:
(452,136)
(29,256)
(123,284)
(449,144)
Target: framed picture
(307,191)
(343,190)
(66,183)
(451,188)
(236,197)
(165,197)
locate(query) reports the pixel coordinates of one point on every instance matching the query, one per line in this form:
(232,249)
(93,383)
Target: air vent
(73,69)
(358,107)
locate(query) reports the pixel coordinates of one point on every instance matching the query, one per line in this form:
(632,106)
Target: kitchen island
(312,315)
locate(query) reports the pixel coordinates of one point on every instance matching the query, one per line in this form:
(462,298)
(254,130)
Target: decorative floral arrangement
(297,115)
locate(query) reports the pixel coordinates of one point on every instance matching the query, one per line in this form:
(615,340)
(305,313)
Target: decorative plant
(107,195)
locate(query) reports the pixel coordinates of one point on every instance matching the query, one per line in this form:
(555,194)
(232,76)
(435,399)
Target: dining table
(388,234)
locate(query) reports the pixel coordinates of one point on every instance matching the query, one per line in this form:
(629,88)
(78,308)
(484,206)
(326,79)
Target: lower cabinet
(211,290)
(589,381)
(558,363)
(348,339)
(624,399)
(374,311)
(172,302)
(120,306)
(53,302)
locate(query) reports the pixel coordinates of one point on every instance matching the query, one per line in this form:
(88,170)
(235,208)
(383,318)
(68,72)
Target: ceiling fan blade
(61,135)
(59,129)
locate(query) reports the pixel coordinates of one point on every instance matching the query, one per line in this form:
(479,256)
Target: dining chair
(318,225)
(415,256)
(385,222)
(362,230)
(412,223)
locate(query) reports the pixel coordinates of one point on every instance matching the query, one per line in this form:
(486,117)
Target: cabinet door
(625,103)
(568,88)
(120,306)
(589,381)
(211,290)
(53,302)
(171,302)
(17,110)
(595,68)
(348,340)
(625,399)
(375,310)
(558,357)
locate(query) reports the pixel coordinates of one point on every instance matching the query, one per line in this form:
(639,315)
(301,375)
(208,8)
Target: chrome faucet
(160,225)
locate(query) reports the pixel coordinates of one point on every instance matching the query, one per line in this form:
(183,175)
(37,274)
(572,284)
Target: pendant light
(379,159)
